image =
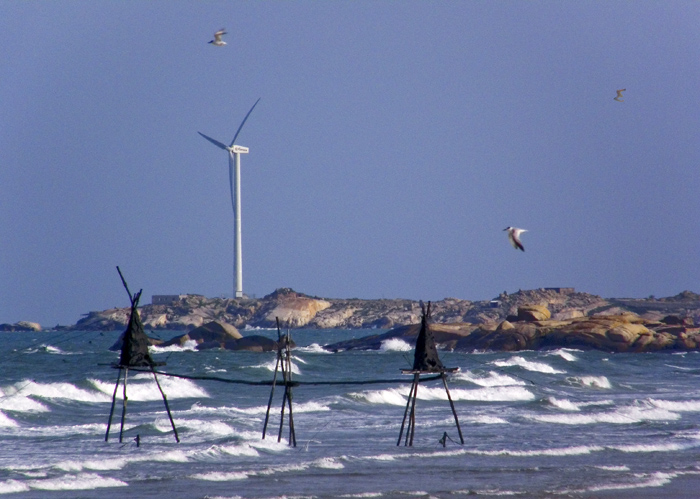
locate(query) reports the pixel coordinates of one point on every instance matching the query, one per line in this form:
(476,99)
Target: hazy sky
(393,143)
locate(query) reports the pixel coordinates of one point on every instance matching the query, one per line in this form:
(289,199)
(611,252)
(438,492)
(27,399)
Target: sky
(393,143)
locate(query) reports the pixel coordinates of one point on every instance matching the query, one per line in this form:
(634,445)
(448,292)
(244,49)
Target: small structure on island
(284,362)
(426,361)
(134,354)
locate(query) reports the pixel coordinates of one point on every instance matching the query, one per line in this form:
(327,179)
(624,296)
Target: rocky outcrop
(291,308)
(298,310)
(21,326)
(613,333)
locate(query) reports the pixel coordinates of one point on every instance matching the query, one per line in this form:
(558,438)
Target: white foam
(81,481)
(363,495)
(613,468)
(682,406)
(313,348)
(21,403)
(392,396)
(196,426)
(395,345)
(565,353)
(231,450)
(143,388)
(563,451)
(96,465)
(328,463)
(188,346)
(590,381)
(493,379)
(487,420)
(270,366)
(660,447)
(569,405)
(218,476)
(56,391)
(262,409)
(527,364)
(494,394)
(564,404)
(657,479)
(6,422)
(628,415)
(13,486)
(397,396)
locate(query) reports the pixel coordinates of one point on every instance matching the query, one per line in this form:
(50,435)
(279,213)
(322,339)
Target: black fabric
(426,357)
(135,343)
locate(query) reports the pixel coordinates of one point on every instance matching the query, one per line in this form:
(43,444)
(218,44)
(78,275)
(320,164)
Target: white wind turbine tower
(234,173)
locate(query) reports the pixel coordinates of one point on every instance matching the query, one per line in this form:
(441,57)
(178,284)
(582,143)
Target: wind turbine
(234,174)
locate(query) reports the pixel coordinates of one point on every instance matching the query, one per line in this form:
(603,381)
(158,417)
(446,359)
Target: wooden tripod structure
(134,355)
(426,361)
(284,362)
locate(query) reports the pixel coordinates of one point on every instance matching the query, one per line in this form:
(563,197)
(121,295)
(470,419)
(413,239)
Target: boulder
(291,308)
(530,313)
(208,334)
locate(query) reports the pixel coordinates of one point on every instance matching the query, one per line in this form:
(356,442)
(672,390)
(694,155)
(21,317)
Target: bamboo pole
(413,411)
(452,405)
(405,412)
(284,400)
(167,407)
(121,429)
(292,433)
(114,400)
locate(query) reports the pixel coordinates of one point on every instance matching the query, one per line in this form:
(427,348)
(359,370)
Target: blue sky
(393,143)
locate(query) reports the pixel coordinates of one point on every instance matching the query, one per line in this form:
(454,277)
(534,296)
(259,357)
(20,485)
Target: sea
(557,423)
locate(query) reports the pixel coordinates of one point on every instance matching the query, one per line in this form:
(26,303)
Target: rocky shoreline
(297,310)
(530,319)
(533,329)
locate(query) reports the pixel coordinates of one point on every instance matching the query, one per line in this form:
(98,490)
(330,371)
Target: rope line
(292,383)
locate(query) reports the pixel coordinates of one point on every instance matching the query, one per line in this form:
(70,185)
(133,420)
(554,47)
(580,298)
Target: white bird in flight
(619,95)
(514,237)
(217,38)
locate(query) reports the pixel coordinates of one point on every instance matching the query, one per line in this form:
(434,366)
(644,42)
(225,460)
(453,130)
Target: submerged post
(121,429)
(114,399)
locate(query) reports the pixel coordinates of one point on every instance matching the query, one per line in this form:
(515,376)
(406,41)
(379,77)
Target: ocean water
(561,423)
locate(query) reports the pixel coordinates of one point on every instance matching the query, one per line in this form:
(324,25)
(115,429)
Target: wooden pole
(413,411)
(274,378)
(114,399)
(284,400)
(405,412)
(121,430)
(292,433)
(452,405)
(167,407)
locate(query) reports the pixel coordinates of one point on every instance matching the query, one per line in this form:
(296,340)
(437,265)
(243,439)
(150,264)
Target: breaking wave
(540,367)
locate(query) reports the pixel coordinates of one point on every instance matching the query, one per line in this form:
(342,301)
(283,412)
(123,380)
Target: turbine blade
(243,122)
(214,141)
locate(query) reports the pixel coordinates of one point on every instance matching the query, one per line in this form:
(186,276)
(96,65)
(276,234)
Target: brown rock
(532,313)
(209,333)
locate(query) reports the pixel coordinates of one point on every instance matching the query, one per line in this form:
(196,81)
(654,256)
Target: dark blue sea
(560,423)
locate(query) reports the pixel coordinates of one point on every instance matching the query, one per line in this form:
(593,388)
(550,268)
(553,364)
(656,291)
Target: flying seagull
(217,38)
(619,95)
(514,237)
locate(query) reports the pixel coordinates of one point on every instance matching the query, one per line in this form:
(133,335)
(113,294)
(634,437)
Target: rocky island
(528,319)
